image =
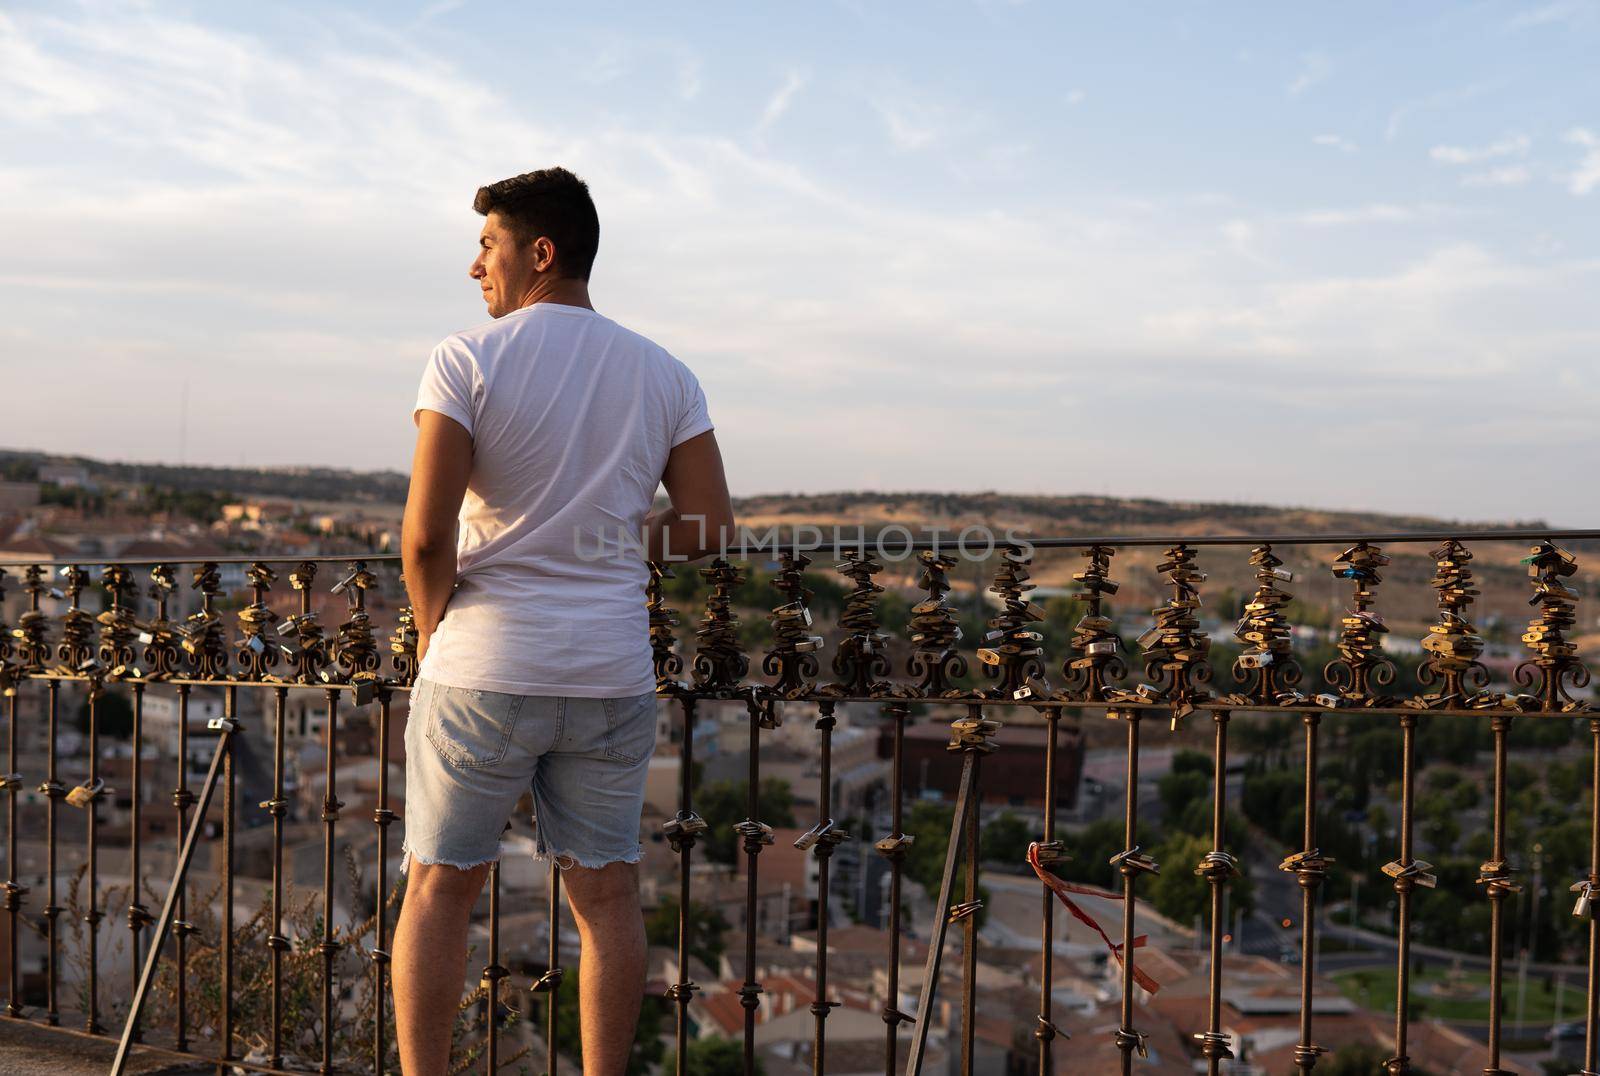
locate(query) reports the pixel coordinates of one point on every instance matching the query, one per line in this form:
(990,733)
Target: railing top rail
(1514,534)
(242,558)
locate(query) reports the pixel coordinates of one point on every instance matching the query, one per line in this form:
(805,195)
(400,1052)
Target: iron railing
(149,646)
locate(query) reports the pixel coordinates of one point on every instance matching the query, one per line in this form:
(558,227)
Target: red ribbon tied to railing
(1061,888)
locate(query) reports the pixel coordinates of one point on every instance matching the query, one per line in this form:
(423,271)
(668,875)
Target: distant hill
(1077,514)
(1034,514)
(302,483)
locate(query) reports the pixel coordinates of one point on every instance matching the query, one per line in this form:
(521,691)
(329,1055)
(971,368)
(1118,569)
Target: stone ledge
(28,1048)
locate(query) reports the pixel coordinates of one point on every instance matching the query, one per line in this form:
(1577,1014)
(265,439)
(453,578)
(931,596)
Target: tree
(706,927)
(930,822)
(724,804)
(648,1049)
(1178,892)
(1273,800)
(717,1056)
(1180,788)
(1091,851)
(1005,840)
(924,864)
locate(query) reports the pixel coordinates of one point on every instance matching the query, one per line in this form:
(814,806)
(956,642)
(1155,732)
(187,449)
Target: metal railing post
(165,920)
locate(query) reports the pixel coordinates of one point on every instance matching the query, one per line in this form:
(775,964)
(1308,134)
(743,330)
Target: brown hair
(553,203)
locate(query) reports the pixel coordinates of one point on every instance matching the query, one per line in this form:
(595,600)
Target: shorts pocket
(468,727)
(631,727)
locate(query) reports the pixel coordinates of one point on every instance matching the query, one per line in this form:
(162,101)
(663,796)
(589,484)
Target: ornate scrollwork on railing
(1555,666)
(1095,646)
(1453,644)
(204,638)
(33,627)
(162,639)
(1013,653)
(1361,666)
(403,643)
(1267,666)
(1174,647)
(119,625)
(719,660)
(75,652)
(935,631)
(793,657)
(862,656)
(300,636)
(355,647)
(668,663)
(256,648)
(8,672)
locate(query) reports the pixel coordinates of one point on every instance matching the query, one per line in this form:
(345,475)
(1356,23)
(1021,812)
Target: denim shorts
(471,754)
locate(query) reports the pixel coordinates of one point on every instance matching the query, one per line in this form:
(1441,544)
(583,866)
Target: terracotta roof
(724,1011)
(1092,1047)
(36,545)
(176,548)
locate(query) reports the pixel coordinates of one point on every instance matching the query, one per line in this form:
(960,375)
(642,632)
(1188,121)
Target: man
(546,431)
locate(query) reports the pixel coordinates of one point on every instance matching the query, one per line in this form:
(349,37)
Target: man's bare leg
(605,905)
(430,961)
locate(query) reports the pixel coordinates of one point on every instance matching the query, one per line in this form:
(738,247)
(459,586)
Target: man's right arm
(700,520)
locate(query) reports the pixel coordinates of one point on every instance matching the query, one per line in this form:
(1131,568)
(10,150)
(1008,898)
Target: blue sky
(1344,257)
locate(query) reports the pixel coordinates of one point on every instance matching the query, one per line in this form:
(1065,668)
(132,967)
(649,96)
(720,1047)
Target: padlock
(822,833)
(893,845)
(1135,860)
(683,826)
(85,794)
(752,830)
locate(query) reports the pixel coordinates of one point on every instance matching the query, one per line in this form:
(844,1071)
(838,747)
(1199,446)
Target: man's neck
(563,291)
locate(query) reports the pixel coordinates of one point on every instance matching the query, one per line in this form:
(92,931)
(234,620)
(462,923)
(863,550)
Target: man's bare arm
(700,520)
(440,471)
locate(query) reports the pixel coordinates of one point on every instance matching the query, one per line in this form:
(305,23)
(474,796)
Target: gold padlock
(83,795)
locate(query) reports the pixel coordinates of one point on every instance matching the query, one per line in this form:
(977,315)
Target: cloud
(1563,11)
(1337,142)
(1368,214)
(1457,293)
(1586,176)
(779,102)
(440,8)
(1244,238)
(1511,175)
(910,125)
(1076,97)
(1314,67)
(40,84)
(1441,99)
(1513,146)
(918,117)
(690,82)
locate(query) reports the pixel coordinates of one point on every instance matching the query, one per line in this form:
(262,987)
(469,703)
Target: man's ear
(544,254)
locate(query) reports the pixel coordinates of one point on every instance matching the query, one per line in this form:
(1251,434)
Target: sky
(1340,256)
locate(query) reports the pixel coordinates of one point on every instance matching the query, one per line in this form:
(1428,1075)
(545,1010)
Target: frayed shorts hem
(407,855)
(567,860)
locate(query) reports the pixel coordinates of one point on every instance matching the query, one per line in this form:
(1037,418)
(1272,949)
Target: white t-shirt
(572,417)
